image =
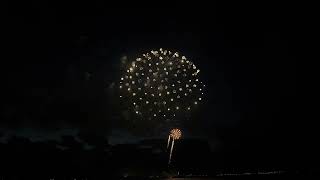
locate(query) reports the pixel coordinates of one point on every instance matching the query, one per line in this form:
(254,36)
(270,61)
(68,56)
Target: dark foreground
(70,160)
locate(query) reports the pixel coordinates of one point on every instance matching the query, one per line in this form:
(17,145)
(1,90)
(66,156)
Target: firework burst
(175,134)
(162,86)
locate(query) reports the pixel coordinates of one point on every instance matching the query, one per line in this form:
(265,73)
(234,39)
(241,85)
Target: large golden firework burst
(161,85)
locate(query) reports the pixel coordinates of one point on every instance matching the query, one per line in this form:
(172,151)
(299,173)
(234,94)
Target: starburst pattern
(175,134)
(161,85)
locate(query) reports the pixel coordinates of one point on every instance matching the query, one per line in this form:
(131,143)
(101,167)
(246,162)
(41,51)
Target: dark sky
(62,58)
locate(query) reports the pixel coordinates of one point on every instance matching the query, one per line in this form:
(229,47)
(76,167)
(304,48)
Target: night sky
(62,62)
